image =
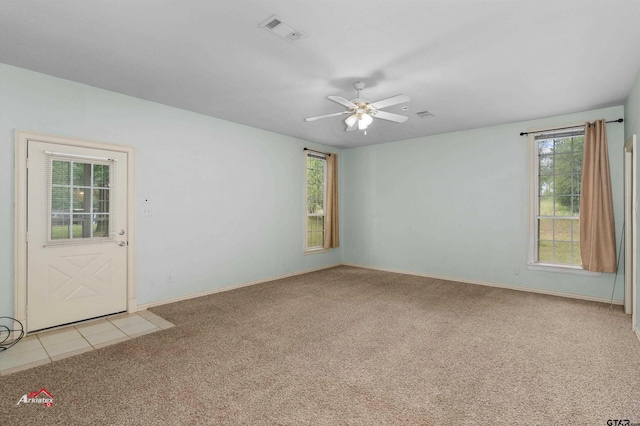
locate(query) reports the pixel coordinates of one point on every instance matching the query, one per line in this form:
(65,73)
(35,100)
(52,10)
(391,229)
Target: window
(79,199)
(556,193)
(315,200)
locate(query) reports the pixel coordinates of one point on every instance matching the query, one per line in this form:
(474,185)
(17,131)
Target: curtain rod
(619,120)
(315,150)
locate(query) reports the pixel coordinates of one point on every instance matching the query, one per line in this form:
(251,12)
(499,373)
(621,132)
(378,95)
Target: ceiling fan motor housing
(361,102)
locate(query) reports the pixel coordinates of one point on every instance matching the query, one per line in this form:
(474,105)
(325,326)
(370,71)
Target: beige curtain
(331,230)
(597,227)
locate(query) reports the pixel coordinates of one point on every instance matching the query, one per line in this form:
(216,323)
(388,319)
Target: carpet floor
(352,346)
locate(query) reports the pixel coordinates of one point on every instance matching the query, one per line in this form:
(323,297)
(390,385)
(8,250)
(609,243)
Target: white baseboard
(490,284)
(145,306)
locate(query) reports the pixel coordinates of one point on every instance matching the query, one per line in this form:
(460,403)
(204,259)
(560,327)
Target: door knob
(121,243)
(121,232)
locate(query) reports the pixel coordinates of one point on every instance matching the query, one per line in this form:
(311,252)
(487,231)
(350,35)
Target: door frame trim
(630,247)
(20,214)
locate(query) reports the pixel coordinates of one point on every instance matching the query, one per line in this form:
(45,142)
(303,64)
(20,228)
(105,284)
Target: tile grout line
(47,351)
(44,347)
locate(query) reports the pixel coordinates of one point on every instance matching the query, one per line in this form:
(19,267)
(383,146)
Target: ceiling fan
(362,111)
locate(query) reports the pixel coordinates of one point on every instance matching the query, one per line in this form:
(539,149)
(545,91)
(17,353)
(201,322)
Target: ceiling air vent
(424,114)
(277,26)
(272,24)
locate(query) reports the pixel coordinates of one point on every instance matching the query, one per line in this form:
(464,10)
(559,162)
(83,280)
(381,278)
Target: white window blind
(80,197)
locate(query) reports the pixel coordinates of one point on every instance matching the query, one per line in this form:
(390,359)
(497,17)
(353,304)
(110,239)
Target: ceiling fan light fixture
(362,125)
(351,120)
(366,118)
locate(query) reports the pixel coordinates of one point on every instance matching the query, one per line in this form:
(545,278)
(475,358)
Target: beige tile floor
(48,346)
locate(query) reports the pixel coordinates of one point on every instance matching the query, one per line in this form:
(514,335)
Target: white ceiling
(470,63)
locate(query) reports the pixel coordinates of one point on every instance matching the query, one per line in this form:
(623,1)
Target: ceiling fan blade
(343,101)
(398,99)
(335,114)
(391,117)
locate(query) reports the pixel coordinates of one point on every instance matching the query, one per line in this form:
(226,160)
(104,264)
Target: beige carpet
(352,346)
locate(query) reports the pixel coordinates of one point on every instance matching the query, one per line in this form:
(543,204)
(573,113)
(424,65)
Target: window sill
(562,269)
(316,251)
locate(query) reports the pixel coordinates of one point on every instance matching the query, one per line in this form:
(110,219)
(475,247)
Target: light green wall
(452,205)
(227,199)
(455,205)
(632,127)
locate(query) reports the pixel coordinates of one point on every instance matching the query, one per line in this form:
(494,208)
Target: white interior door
(76,233)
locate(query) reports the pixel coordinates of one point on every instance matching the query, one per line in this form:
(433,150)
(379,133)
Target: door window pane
(81,226)
(101,201)
(78,199)
(81,173)
(100,176)
(60,226)
(60,172)
(60,199)
(100,225)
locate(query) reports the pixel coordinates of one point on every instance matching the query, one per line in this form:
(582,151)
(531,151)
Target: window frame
(87,160)
(316,249)
(534,199)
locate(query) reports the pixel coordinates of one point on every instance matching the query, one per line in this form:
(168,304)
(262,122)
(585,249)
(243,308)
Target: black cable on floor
(5,343)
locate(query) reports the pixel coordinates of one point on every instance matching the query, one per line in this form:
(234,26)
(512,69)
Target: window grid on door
(80,199)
